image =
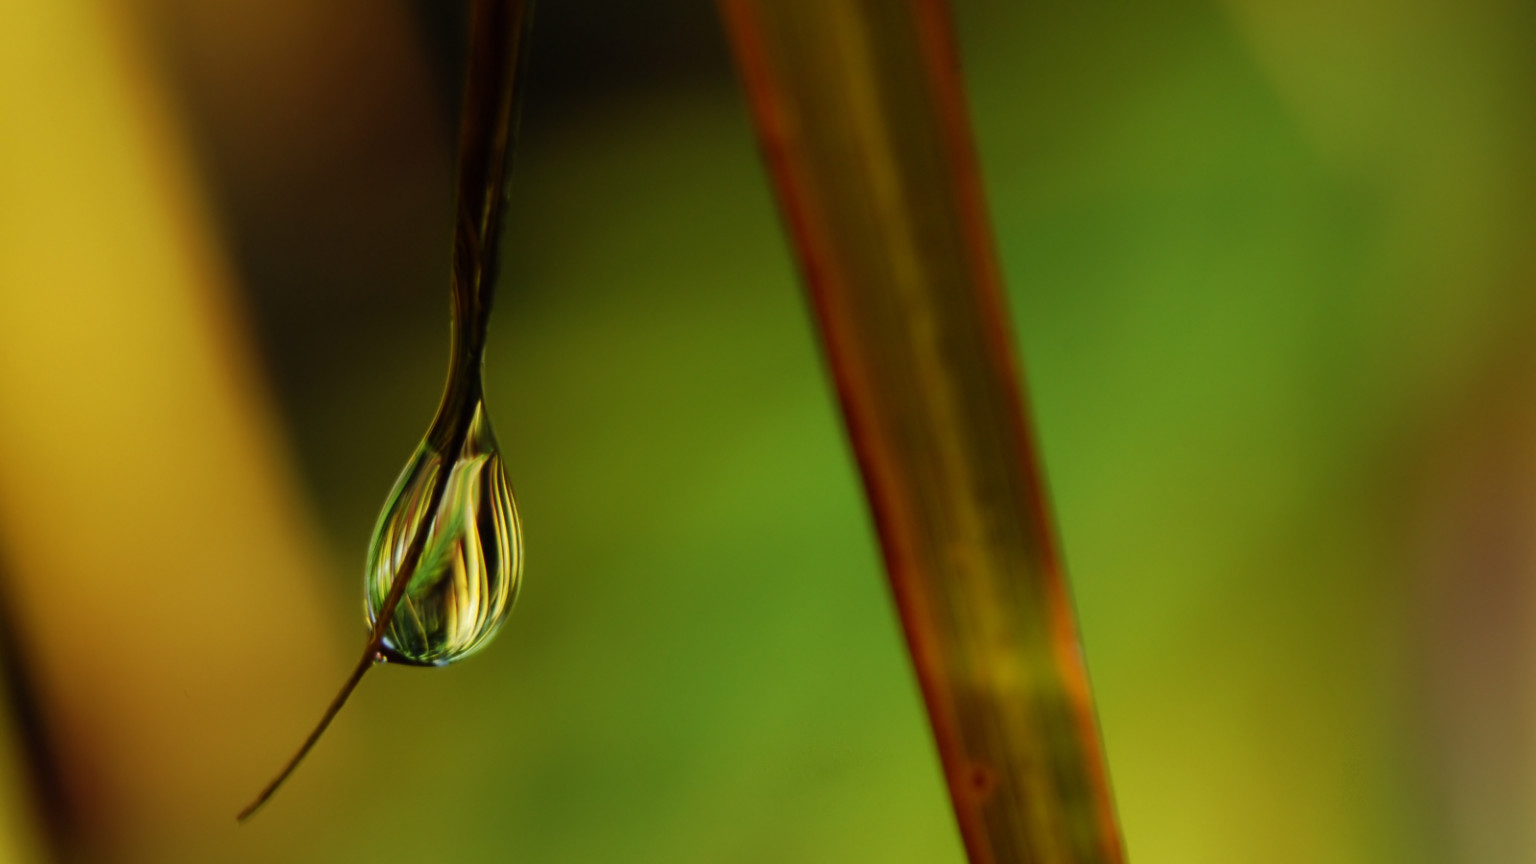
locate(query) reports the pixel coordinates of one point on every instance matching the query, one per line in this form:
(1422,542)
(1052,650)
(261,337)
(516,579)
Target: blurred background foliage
(1271,268)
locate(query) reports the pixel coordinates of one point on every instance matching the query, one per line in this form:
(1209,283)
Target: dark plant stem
(370,656)
(492,85)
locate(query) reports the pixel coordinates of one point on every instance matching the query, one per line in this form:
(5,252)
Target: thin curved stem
(372,651)
(485,141)
(369,658)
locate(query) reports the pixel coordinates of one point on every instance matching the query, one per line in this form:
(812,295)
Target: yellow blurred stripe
(162,569)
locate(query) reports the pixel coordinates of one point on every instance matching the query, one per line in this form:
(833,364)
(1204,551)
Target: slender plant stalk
(860,113)
(491,90)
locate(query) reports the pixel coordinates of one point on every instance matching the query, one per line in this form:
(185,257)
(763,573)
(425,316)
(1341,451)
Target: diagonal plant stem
(491,90)
(860,114)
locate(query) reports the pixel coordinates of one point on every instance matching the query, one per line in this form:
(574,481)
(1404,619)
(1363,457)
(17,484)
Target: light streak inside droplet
(469,571)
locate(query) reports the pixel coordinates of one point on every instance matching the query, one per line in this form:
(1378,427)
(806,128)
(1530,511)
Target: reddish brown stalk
(861,117)
(485,143)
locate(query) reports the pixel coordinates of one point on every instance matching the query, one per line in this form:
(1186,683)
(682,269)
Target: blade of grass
(860,113)
(489,124)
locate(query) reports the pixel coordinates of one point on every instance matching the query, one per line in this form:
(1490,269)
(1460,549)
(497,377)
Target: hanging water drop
(447,556)
(468,572)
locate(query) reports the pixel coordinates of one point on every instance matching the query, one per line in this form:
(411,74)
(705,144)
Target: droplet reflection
(471,566)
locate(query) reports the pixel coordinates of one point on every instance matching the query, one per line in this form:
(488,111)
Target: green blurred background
(1271,267)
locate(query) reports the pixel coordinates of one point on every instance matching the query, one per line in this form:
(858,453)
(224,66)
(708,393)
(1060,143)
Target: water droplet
(471,566)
